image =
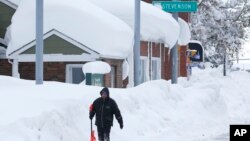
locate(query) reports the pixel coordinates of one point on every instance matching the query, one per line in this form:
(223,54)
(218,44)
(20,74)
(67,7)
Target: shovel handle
(91,128)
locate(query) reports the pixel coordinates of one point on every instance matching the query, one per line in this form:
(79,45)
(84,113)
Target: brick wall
(185,16)
(156,49)
(56,71)
(167,64)
(118,73)
(53,71)
(148,1)
(144,48)
(183,58)
(5,67)
(163,60)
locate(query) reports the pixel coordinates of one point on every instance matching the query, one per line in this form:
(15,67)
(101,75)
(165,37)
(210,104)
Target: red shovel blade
(92,138)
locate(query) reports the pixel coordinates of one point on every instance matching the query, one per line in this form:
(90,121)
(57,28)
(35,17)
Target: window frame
(69,67)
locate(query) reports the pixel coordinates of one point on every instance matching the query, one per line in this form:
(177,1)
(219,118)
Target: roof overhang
(55,58)
(17,53)
(9,3)
(2,52)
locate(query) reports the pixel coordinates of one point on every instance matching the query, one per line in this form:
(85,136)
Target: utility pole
(174,56)
(39,42)
(137,44)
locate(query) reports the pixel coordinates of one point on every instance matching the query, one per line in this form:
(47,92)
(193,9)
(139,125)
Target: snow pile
(125,69)
(241,65)
(78,19)
(96,67)
(245,52)
(156,25)
(199,109)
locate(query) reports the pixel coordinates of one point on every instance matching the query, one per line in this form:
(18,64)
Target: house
(69,44)
(7,10)
(182,46)
(159,33)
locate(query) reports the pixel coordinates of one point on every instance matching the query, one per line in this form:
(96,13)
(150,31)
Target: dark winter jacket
(105,110)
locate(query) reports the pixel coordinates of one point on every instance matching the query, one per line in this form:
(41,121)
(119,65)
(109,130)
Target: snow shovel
(92,136)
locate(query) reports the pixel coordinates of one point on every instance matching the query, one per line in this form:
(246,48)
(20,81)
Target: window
(74,73)
(143,74)
(156,68)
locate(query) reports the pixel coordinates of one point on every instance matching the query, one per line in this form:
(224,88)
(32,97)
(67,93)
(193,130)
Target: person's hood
(106,90)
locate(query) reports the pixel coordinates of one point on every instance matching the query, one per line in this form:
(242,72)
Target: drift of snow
(199,109)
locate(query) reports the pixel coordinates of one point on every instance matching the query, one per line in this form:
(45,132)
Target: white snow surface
(125,69)
(185,33)
(2,52)
(98,67)
(78,19)
(14,1)
(2,41)
(156,25)
(199,109)
(245,53)
(241,65)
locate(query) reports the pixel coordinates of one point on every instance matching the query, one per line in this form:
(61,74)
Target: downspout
(14,64)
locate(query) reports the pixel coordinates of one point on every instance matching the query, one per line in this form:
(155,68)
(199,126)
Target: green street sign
(176,6)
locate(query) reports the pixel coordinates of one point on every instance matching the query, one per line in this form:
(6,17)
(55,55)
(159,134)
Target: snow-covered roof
(15,1)
(78,19)
(2,41)
(11,3)
(156,25)
(185,33)
(2,52)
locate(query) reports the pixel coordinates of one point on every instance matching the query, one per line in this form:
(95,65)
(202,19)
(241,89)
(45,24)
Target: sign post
(175,6)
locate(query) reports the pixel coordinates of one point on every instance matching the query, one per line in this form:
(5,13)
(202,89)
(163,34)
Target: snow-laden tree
(219,25)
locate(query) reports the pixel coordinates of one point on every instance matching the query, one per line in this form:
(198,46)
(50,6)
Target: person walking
(104,108)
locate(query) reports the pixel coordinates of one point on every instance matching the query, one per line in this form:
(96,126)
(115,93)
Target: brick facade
(182,62)
(167,64)
(157,50)
(182,53)
(53,71)
(148,1)
(144,48)
(5,67)
(117,64)
(56,71)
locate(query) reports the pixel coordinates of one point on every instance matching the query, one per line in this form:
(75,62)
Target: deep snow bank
(202,108)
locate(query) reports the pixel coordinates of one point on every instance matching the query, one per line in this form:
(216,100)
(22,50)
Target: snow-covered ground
(195,110)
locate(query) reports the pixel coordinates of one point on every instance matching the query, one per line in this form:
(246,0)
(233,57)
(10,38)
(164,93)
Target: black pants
(103,133)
